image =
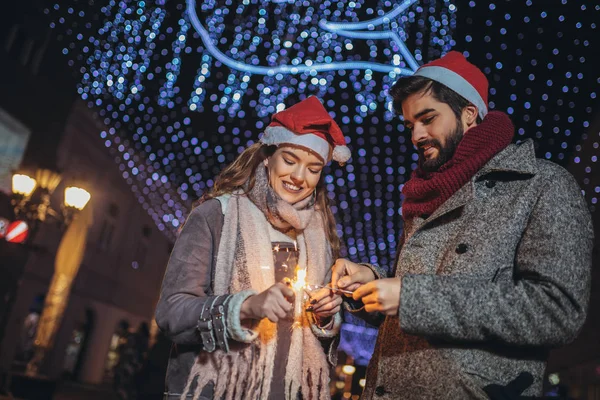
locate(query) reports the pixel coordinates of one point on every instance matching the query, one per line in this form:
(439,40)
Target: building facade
(125,256)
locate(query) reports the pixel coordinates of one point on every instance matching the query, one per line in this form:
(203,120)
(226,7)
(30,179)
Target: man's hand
(274,303)
(382,295)
(349,276)
(324,303)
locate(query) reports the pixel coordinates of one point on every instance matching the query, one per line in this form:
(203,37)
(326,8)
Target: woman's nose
(298,175)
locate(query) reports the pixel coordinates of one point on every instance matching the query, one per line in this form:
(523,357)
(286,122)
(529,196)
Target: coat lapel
(457,200)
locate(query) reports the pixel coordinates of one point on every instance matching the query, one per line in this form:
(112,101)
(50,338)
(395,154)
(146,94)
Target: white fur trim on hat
(341,154)
(277,135)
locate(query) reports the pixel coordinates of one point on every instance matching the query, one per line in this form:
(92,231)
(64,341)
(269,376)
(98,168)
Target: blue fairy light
(183,87)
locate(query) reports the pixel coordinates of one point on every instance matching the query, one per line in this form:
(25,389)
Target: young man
(493,267)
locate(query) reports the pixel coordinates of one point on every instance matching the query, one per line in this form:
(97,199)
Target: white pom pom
(341,154)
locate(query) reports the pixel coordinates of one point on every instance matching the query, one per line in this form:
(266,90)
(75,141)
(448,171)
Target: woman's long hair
(242,169)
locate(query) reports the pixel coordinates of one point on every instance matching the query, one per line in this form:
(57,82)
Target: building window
(106,234)
(25,347)
(108,228)
(118,343)
(140,255)
(14,137)
(113,210)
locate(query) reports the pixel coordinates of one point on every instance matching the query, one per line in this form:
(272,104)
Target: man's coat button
(462,248)
(490,184)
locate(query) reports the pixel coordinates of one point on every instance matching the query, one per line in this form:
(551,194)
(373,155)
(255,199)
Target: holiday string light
(176,111)
(175,115)
(174,128)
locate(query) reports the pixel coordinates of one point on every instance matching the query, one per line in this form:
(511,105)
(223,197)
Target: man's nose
(419,133)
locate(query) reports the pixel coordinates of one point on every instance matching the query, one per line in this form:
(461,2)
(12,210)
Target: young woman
(240,329)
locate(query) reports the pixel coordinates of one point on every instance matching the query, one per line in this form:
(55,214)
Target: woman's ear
(266,162)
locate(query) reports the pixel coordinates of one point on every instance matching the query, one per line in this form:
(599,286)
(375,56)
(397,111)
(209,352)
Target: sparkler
(312,287)
(299,286)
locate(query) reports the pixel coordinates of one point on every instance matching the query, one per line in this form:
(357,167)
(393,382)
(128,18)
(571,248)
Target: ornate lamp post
(31,204)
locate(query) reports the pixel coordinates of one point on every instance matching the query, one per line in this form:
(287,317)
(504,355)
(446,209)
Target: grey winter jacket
(498,275)
(186,288)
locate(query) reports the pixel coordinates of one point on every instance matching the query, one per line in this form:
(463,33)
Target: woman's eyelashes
(312,171)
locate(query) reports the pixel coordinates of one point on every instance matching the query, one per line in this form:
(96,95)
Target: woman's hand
(324,303)
(350,276)
(274,303)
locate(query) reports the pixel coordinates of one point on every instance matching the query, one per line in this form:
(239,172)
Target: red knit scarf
(426,191)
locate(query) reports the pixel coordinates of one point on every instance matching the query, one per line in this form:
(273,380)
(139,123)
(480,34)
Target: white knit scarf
(245,261)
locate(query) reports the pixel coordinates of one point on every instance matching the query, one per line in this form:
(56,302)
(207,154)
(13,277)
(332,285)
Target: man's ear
(469,115)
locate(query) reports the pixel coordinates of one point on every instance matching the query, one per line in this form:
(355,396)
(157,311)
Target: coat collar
(515,158)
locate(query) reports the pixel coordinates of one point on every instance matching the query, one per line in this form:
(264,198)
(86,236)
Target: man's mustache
(428,143)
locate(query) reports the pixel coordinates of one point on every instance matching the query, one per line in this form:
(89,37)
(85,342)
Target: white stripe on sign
(21,227)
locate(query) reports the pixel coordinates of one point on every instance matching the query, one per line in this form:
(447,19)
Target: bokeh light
(176,111)
(176,115)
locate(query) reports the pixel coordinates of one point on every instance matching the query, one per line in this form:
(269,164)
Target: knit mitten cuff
(234,324)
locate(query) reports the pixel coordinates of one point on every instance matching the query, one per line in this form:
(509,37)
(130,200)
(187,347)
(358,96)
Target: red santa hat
(308,124)
(454,71)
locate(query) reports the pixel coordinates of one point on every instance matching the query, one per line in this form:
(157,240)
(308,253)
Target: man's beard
(445,153)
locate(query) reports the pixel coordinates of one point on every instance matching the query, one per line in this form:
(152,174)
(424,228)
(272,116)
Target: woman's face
(294,172)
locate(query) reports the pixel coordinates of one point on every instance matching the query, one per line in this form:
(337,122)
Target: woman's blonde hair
(242,170)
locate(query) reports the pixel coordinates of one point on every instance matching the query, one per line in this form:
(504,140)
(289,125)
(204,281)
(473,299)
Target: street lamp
(31,199)
(76,197)
(31,203)
(23,185)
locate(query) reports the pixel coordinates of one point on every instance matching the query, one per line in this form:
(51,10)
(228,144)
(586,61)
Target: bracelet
(205,327)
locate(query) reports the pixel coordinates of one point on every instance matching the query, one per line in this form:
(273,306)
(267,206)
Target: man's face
(435,130)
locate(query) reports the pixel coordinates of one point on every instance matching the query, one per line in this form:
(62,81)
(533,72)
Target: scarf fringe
(242,370)
(293,370)
(254,376)
(204,375)
(223,379)
(315,374)
(234,372)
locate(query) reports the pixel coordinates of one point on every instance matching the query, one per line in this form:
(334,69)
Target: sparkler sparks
(300,281)
(299,286)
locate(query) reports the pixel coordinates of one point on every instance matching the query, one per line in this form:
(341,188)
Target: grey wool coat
(494,278)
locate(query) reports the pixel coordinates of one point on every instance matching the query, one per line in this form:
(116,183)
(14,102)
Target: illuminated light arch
(342,29)
(348,29)
(153,119)
(544,78)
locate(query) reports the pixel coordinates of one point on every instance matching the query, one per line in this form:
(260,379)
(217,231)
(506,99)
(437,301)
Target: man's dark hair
(410,85)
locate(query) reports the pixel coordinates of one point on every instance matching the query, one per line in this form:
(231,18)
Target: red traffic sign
(17,232)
